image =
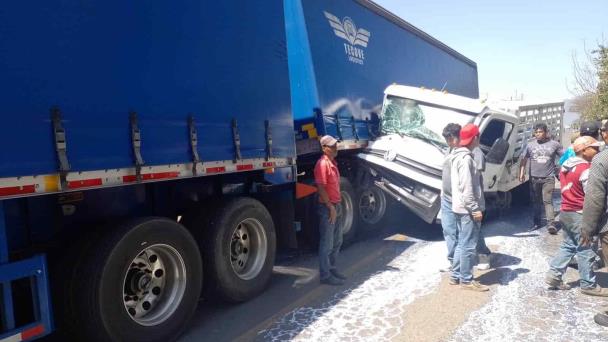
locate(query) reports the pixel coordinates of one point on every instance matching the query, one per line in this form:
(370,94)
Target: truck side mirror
(498,152)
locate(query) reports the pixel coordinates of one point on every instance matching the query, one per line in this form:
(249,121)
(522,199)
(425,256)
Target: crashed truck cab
(406,161)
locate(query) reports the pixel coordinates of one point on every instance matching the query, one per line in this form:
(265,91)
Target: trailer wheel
(140,281)
(238,247)
(347,218)
(372,203)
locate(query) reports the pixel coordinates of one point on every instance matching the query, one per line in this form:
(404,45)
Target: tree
(591,83)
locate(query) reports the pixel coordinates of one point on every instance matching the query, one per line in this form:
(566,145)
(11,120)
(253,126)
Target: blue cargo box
(346,53)
(99,61)
(249,77)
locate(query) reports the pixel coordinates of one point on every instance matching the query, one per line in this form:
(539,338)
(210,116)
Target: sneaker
(483,266)
(555,283)
(474,286)
(453,281)
(601,319)
(337,274)
(552,229)
(332,281)
(483,262)
(597,291)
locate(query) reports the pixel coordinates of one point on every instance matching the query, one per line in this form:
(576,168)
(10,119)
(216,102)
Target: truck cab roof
(444,99)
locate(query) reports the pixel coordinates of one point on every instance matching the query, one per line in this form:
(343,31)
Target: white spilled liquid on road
(520,308)
(374,310)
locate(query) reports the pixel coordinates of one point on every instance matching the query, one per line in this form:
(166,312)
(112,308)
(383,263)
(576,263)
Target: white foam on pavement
(523,309)
(374,310)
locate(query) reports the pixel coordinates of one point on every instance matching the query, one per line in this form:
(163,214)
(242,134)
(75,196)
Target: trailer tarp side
(356,53)
(98,61)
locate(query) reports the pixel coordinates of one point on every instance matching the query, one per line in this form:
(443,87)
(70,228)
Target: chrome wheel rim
(248,249)
(154,284)
(372,205)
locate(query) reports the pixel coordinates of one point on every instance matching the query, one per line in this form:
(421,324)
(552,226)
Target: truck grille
(408,163)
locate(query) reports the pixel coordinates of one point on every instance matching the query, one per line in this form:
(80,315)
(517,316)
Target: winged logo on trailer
(347,30)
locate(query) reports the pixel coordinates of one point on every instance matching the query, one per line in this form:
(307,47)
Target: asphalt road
(394,282)
(295,288)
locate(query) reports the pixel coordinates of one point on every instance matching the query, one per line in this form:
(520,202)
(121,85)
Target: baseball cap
(328,140)
(468,133)
(590,128)
(583,142)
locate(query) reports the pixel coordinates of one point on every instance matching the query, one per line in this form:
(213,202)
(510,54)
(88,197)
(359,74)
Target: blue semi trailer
(156,151)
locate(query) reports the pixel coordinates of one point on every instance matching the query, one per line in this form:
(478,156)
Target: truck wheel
(238,247)
(140,281)
(372,203)
(347,215)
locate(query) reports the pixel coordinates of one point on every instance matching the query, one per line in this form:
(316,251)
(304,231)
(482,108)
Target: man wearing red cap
(467,205)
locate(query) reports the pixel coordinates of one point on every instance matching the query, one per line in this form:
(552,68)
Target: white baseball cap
(328,140)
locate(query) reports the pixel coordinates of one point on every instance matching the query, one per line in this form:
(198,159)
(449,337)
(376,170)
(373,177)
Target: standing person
(483,252)
(573,179)
(587,129)
(451,134)
(327,177)
(542,153)
(603,236)
(467,205)
(595,209)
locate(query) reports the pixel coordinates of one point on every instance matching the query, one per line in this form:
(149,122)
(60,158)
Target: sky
(520,46)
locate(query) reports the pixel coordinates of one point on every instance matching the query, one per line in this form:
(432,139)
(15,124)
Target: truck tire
(138,282)
(347,220)
(238,243)
(372,205)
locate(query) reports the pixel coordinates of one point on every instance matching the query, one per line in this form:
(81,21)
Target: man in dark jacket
(595,208)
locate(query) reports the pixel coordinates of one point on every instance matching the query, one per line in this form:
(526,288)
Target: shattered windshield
(420,121)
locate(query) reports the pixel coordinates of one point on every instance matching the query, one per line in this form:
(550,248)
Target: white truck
(406,160)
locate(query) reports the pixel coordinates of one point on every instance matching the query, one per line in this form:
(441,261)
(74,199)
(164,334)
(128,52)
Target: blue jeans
(466,248)
(449,227)
(571,222)
(330,241)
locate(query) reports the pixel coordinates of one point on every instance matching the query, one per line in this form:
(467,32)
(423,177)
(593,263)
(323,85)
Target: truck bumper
(422,200)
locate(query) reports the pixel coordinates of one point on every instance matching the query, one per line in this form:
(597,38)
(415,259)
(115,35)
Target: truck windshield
(420,121)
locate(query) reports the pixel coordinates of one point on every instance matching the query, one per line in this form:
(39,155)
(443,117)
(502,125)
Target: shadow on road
(295,284)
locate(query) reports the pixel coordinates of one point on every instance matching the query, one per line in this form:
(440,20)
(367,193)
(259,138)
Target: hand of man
(332,214)
(477,216)
(522,177)
(585,239)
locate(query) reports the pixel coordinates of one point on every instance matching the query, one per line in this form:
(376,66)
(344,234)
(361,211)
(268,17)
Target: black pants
(541,193)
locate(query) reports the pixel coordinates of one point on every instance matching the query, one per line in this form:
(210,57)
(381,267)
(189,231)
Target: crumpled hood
(411,148)
(571,163)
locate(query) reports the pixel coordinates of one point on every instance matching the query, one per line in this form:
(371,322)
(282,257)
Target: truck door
(493,128)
